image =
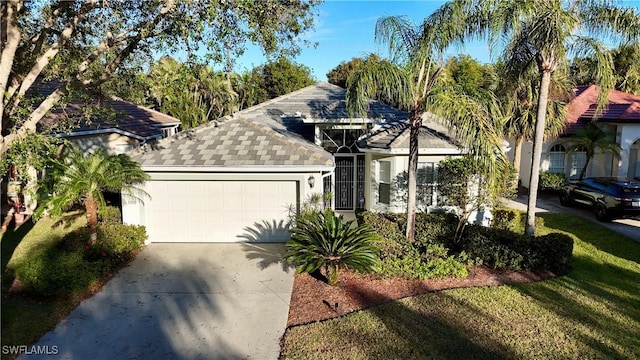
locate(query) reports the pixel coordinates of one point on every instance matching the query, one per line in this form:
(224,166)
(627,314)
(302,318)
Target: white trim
(343,121)
(421,151)
(239,169)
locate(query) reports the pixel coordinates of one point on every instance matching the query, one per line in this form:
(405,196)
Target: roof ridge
(275,99)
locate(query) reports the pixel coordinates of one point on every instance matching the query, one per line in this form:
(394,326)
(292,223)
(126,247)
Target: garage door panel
(217,211)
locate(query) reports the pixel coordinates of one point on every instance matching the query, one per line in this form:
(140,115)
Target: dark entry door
(349,177)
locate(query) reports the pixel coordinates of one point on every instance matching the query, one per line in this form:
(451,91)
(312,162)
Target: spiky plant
(322,240)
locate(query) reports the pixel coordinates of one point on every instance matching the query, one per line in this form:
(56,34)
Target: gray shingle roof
(394,136)
(235,142)
(321,102)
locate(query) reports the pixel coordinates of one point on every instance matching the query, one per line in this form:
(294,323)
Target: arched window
(556,159)
(578,159)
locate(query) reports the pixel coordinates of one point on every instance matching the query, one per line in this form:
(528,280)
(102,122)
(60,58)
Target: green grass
(591,313)
(25,319)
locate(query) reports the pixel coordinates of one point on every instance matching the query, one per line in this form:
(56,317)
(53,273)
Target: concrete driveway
(184,301)
(549,203)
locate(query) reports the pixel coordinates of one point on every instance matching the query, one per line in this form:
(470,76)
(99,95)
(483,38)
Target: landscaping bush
(427,257)
(506,219)
(504,249)
(110,215)
(550,252)
(321,240)
(551,182)
(118,242)
(72,265)
(493,247)
(58,272)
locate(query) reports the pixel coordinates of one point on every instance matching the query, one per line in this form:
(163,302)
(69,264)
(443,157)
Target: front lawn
(57,269)
(25,318)
(592,312)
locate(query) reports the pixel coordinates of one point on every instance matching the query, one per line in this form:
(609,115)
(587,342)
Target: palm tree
(82,178)
(540,34)
(518,93)
(592,139)
(413,82)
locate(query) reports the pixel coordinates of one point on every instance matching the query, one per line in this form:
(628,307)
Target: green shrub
(110,215)
(549,181)
(495,248)
(58,272)
(550,252)
(506,219)
(435,228)
(118,242)
(321,240)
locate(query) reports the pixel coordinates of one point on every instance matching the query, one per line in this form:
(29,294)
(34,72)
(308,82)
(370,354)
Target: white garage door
(218,211)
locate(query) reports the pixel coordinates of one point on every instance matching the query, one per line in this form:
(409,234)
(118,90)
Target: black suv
(609,197)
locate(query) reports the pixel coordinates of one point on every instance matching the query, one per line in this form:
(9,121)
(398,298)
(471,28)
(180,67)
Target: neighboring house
(621,117)
(240,178)
(119,126)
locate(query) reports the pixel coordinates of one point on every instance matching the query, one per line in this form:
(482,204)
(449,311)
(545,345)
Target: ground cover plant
(591,312)
(48,268)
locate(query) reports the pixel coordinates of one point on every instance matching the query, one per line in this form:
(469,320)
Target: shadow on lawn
(593,299)
(422,331)
(8,244)
(608,241)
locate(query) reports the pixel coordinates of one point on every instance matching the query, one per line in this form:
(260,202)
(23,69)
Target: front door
(349,182)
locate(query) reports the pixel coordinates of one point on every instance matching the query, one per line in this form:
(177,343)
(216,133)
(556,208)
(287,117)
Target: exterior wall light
(311,181)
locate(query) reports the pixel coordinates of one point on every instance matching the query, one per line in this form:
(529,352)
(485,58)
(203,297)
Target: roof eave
(239,169)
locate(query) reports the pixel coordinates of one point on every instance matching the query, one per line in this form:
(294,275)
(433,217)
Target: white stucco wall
(110,142)
(600,165)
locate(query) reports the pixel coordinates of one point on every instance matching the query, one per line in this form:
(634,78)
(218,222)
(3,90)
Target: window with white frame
(578,160)
(384,182)
(426,183)
(556,159)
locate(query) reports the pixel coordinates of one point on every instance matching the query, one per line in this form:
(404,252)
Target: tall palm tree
(82,178)
(541,34)
(592,139)
(413,82)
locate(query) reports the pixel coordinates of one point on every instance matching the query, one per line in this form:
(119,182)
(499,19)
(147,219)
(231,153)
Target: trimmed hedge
(433,254)
(551,182)
(72,265)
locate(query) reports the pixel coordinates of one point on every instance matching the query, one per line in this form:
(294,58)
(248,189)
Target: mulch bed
(313,300)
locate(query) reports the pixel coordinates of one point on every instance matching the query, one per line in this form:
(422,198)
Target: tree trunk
(517,157)
(414,130)
(583,172)
(91,208)
(543,99)
(10,41)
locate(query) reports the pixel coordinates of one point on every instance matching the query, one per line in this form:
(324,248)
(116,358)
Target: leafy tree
(340,74)
(321,240)
(83,43)
(194,93)
(469,75)
(460,183)
(626,62)
(414,83)
(592,139)
(541,34)
(517,94)
(82,178)
(279,77)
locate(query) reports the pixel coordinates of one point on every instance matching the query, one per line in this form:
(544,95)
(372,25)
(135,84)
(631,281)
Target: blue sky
(344,29)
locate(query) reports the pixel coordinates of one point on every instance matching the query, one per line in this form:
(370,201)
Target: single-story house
(621,117)
(240,178)
(109,122)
